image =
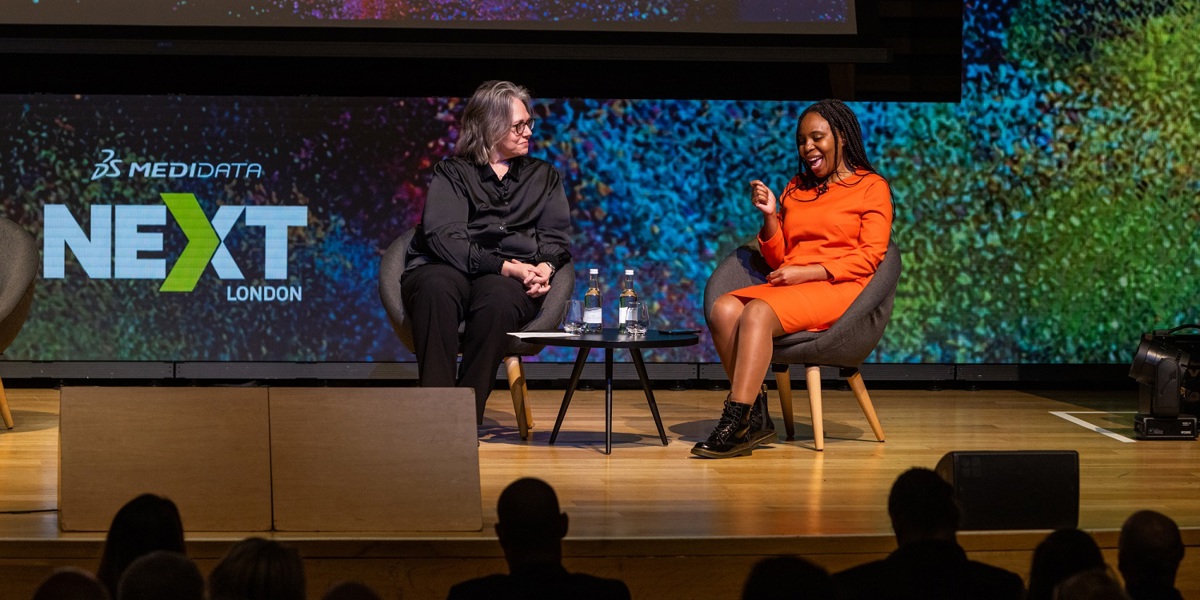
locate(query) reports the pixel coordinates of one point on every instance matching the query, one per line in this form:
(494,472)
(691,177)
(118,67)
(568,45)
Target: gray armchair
(845,345)
(562,286)
(17,273)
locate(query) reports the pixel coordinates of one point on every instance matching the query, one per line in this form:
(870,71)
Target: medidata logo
(113,248)
(111,166)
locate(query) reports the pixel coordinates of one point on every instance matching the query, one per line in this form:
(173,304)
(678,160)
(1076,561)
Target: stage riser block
(375,459)
(285,459)
(207,449)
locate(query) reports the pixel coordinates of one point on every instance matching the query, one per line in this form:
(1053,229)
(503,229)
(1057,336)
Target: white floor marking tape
(1084,424)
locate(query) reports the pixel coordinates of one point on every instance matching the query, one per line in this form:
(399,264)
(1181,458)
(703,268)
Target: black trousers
(437,299)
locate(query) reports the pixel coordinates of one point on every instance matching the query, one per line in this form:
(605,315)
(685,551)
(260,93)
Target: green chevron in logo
(202,243)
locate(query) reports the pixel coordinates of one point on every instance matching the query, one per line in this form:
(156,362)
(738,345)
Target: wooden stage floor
(658,517)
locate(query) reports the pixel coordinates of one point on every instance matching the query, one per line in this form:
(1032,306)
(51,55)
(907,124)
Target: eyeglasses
(519,127)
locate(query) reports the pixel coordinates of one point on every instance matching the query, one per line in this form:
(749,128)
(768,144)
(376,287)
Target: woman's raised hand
(762,197)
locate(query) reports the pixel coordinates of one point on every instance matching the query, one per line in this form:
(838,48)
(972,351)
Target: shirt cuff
(490,263)
(556,261)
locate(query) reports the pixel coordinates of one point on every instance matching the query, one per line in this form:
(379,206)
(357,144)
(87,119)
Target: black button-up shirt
(474,221)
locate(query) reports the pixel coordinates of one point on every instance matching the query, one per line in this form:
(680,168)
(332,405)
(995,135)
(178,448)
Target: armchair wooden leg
(525,402)
(783,382)
(519,392)
(8,422)
(864,400)
(812,377)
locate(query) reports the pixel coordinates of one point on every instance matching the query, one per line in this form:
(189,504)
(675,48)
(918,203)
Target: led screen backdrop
(1050,216)
(721,16)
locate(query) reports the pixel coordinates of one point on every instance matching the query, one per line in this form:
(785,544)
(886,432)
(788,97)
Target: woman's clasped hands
(535,278)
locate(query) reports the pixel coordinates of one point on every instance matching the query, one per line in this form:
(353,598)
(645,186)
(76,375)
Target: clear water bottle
(627,296)
(592,317)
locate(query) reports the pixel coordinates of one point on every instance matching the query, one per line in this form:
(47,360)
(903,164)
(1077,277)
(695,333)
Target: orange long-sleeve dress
(845,229)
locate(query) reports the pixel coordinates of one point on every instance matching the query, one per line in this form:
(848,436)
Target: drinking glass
(639,318)
(573,317)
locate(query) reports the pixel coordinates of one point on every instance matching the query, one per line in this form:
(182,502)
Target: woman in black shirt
(496,226)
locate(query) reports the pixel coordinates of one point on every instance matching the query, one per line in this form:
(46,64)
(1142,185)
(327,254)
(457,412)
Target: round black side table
(609,339)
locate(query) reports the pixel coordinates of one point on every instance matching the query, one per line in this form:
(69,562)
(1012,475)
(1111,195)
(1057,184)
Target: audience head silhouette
(922,507)
(1062,554)
(531,528)
(70,583)
(145,524)
(928,563)
(258,569)
(1093,584)
(161,574)
(529,523)
(350,590)
(787,577)
(1149,551)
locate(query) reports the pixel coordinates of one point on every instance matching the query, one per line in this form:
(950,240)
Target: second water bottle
(628,296)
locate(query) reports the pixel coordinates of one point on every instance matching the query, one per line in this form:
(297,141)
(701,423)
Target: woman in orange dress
(824,243)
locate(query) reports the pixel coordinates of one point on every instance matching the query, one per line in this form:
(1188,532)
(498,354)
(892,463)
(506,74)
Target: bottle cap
(593,271)
(629,271)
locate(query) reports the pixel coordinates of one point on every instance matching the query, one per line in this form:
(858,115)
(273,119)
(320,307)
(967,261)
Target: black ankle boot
(762,428)
(729,438)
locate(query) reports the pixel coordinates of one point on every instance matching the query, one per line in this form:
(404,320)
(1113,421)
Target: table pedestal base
(638,363)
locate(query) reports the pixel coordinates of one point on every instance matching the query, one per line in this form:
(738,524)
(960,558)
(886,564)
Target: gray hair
(487,119)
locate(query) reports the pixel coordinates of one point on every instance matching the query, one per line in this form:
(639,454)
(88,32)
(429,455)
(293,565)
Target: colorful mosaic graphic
(720,16)
(1050,216)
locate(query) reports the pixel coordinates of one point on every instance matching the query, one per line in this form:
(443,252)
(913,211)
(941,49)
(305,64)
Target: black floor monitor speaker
(1019,489)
